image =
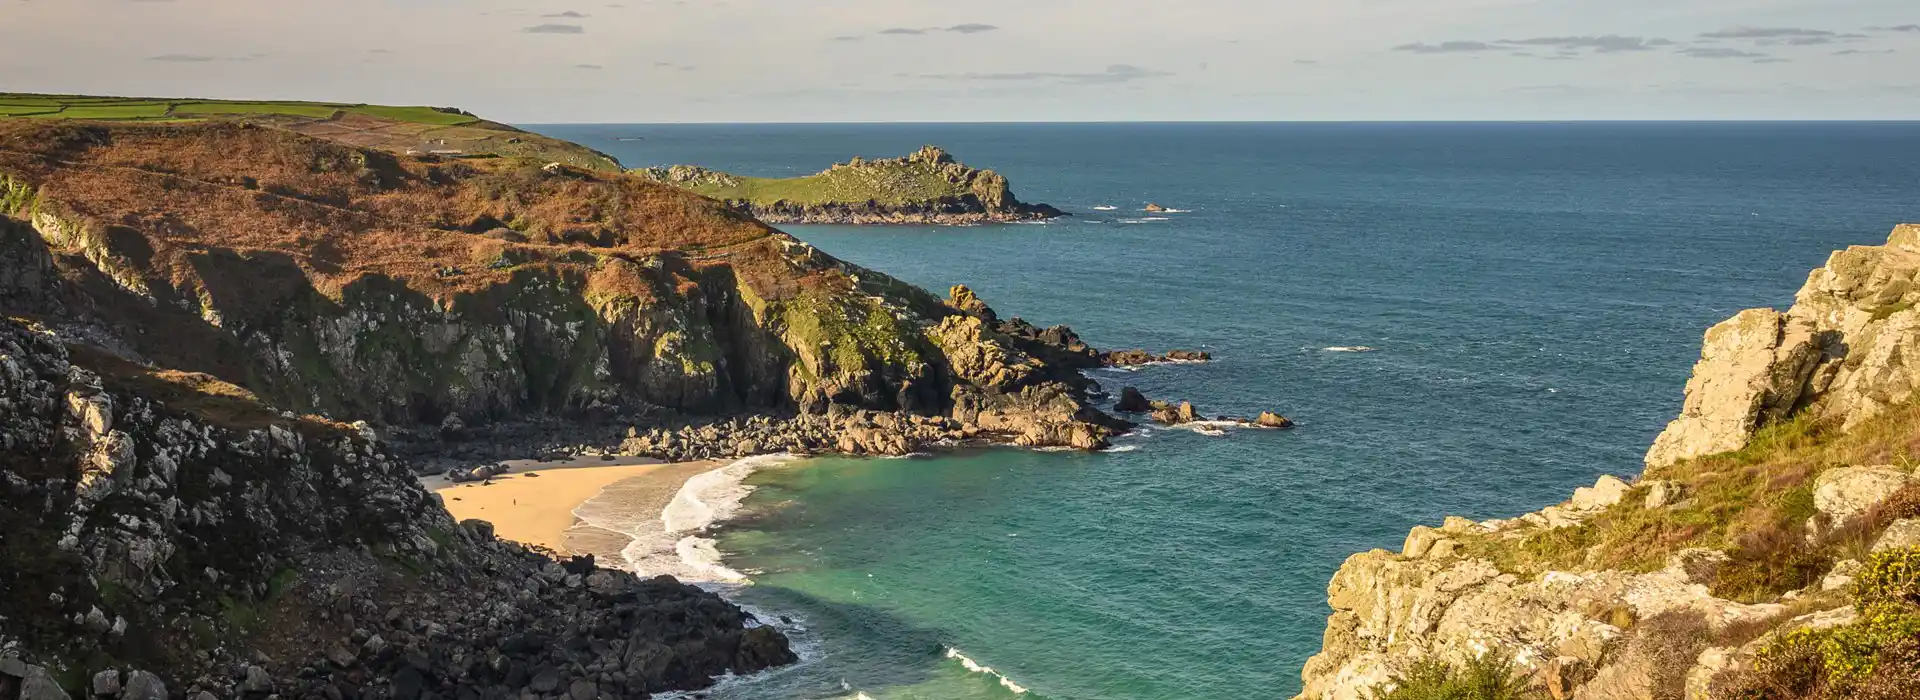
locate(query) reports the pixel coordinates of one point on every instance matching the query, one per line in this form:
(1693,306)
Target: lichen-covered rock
(1844,492)
(1752,369)
(1841,351)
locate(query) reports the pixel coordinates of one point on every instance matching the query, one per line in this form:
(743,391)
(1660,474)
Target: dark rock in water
(1132,401)
(1269,419)
(1136,358)
(580,565)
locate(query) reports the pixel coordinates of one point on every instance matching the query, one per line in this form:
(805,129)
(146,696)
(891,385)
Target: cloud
(1305,62)
(588,66)
(1712,52)
(1900,28)
(1447,47)
(182,58)
(569,14)
(1117,73)
(968,28)
(1767,33)
(1609,43)
(1771,59)
(1862,52)
(555,29)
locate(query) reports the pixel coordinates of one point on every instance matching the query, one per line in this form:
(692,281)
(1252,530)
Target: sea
(1463,318)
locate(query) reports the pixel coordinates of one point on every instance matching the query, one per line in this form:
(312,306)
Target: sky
(548,61)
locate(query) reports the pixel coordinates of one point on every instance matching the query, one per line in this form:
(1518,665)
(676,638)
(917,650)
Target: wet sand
(534,503)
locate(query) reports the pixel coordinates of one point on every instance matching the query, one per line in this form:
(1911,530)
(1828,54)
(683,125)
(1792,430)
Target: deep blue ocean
(1534,295)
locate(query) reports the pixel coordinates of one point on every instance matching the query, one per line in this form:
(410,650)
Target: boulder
(1269,419)
(1900,535)
(1154,208)
(1419,540)
(141,685)
(1845,492)
(106,683)
(1661,494)
(38,684)
(1132,401)
(1604,493)
(1841,576)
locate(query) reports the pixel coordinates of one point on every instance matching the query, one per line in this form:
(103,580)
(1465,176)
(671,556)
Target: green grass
(417,115)
(1752,503)
(316,111)
(148,109)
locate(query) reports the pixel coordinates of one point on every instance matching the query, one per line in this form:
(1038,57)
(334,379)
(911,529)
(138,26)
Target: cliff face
(1840,351)
(168,522)
(1752,560)
(925,187)
(483,289)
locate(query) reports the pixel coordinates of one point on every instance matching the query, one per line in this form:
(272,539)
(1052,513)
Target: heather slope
(485,288)
(927,186)
(443,131)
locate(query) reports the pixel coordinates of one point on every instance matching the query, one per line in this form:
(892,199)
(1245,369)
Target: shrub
(1889,577)
(1490,677)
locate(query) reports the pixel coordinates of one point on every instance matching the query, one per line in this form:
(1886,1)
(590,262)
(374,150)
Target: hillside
(208,326)
(442,131)
(1769,551)
(928,186)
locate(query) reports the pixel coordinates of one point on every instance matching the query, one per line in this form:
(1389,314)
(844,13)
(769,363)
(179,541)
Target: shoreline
(535,503)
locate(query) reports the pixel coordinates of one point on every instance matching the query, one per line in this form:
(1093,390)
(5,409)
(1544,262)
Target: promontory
(926,187)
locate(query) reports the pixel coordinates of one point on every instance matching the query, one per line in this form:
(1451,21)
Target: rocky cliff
(1768,551)
(163,534)
(925,187)
(483,289)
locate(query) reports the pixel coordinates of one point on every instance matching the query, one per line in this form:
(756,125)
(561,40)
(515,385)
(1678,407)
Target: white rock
(1602,494)
(1849,491)
(1841,576)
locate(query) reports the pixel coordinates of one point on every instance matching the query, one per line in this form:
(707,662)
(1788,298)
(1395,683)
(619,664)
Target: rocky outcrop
(926,187)
(612,297)
(1569,628)
(1578,630)
(1841,352)
(167,522)
(1139,358)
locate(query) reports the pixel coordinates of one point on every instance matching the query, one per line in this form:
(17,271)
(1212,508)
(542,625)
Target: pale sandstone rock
(1900,535)
(1419,539)
(1605,492)
(1841,576)
(1752,368)
(1845,492)
(1661,494)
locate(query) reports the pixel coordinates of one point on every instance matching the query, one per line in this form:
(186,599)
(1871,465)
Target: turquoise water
(1534,294)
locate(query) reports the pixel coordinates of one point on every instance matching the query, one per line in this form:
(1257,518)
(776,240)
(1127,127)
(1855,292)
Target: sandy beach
(534,503)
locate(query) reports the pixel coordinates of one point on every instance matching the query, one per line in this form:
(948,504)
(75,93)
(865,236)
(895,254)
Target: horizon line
(858,122)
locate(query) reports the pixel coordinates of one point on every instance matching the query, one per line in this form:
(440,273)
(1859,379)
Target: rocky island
(1769,550)
(223,336)
(926,187)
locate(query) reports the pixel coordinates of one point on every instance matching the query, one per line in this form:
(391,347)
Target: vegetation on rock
(928,186)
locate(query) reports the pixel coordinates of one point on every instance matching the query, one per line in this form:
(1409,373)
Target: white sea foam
(1176,211)
(1348,348)
(1123,448)
(670,541)
(1105,208)
(975,667)
(1154,218)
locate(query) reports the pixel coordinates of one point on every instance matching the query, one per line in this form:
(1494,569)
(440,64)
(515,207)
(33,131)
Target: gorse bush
(1877,655)
(1889,577)
(1490,677)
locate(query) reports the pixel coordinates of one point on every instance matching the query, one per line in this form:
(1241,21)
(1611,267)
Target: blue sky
(994,60)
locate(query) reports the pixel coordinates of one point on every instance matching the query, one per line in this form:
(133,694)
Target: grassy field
(148,109)
(398,129)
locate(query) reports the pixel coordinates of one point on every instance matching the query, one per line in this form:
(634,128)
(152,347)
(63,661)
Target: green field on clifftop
(157,109)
